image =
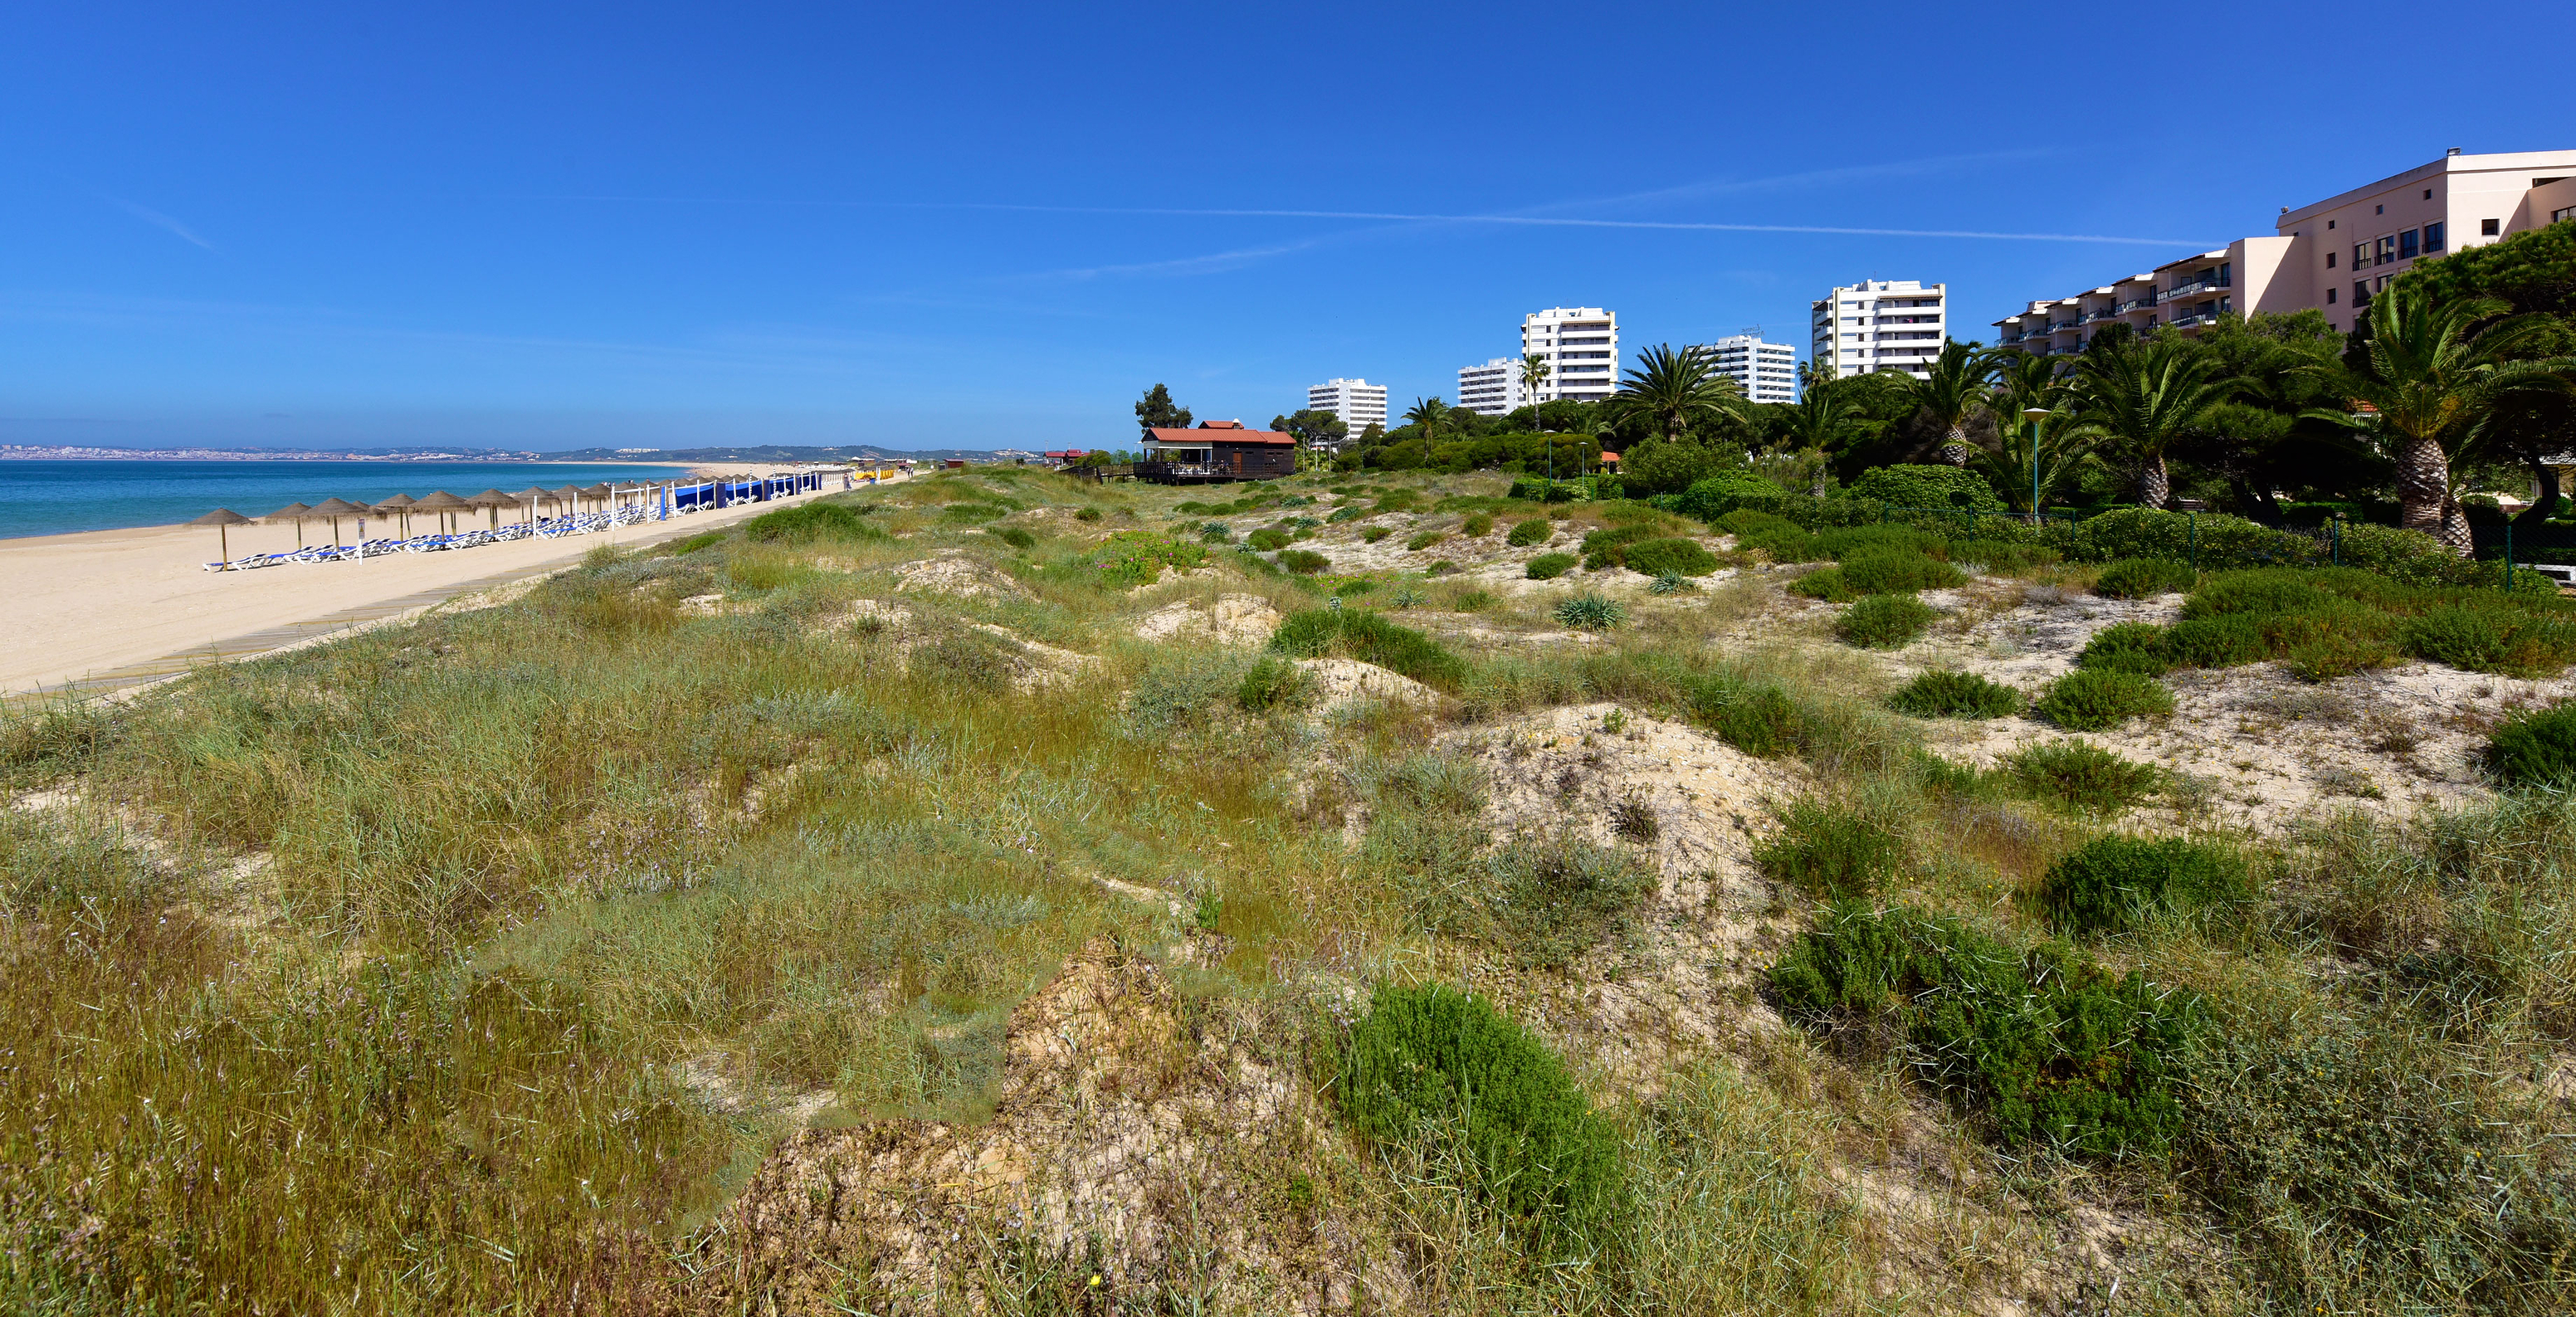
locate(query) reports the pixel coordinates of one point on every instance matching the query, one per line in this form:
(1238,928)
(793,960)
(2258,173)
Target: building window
(2488,228)
(2360,255)
(2406,245)
(2361,292)
(2330,260)
(2428,194)
(2432,238)
(2329,224)
(2330,296)
(2227,275)
(2387,250)
(2379,210)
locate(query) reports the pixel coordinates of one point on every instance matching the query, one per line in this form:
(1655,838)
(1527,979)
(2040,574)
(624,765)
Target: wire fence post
(2334,528)
(2195,540)
(2508,555)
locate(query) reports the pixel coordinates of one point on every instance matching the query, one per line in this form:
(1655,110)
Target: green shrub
(701,540)
(1267,538)
(2117,882)
(966,513)
(1781,540)
(1132,558)
(1829,852)
(1013,536)
(2534,749)
(1536,530)
(1374,533)
(1425,540)
(1884,621)
(1304,562)
(2040,1041)
(1671,583)
(1605,549)
(1429,1062)
(1926,487)
(2212,542)
(1884,537)
(1590,611)
(1674,556)
(2227,641)
(2137,647)
(2142,578)
(1758,720)
(1341,515)
(2091,699)
(1826,584)
(1480,524)
(1549,566)
(1898,572)
(2490,636)
(1718,495)
(1272,683)
(1087,514)
(805,523)
(1949,694)
(2081,775)
(1370,638)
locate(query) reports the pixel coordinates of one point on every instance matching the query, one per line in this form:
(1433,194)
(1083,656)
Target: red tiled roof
(1220,425)
(1231,435)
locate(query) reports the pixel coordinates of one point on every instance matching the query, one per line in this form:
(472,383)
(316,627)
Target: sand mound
(1691,807)
(1342,682)
(953,573)
(1229,619)
(1171,1149)
(1027,664)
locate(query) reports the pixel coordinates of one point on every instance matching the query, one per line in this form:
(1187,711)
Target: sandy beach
(101,600)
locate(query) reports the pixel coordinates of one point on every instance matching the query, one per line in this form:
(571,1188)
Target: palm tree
(2143,399)
(1534,372)
(1822,420)
(2024,380)
(1676,388)
(2436,378)
(1427,413)
(2066,445)
(1951,390)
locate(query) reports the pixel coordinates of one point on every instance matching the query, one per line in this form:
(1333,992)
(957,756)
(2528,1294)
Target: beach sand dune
(98,601)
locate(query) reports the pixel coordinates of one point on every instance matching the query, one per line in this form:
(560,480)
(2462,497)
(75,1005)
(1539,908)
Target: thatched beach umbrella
(336,508)
(440,501)
(294,512)
(493,500)
(223,520)
(530,498)
(569,495)
(399,505)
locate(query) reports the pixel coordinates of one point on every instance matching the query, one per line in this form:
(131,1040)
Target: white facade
(1493,388)
(1879,324)
(1581,346)
(1359,403)
(1768,371)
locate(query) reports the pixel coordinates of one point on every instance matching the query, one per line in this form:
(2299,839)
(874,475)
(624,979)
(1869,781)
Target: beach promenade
(106,609)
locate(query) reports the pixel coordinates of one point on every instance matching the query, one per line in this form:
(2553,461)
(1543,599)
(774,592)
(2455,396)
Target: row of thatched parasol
(439,503)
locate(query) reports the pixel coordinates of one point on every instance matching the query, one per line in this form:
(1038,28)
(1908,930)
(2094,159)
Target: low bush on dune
(2092,699)
(2214,642)
(1549,566)
(1432,1063)
(2117,882)
(1830,852)
(2039,1042)
(1267,538)
(1590,612)
(2534,749)
(1369,638)
(2081,776)
(1899,572)
(1132,558)
(1425,540)
(1303,562)
(1477,525)
(1673,556)
(809,522)
(2142,578)
(1605,549)
(1272,683)
(1536,530)
(1884,621)
(2126,647)
(1946,694)
(1013,536)
(1759,720)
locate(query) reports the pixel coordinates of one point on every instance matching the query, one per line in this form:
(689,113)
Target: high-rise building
(1359,403)
(1768,371)
(2331,256)
(1494,388)
(1581,346)
(1879,324)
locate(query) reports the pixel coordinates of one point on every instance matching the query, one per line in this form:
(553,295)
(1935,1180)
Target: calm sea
(49,498)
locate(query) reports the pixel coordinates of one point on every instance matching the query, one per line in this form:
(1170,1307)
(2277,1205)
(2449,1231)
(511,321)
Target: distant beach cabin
(1215,452)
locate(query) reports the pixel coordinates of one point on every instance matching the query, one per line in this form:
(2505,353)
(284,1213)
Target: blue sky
(639,224)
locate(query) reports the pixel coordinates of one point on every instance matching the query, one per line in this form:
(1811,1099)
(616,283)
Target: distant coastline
(85,453)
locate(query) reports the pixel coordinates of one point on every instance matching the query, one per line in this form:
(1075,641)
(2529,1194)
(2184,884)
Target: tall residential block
(1493,388)
(1581,346)
(2331,256)
(1879,324)
(1768,371)
(1359,403)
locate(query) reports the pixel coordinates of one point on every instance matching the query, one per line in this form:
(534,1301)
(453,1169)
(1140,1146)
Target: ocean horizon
(56,496)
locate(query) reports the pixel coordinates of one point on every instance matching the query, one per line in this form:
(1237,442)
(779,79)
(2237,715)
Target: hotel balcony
(2204,284)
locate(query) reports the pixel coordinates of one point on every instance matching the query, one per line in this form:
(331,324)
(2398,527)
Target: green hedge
(1926,487)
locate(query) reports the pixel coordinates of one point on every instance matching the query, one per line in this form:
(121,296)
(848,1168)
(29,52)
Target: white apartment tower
(1880,324)
(1581,347)
(1359,403)
(1768,371)
(1494,388)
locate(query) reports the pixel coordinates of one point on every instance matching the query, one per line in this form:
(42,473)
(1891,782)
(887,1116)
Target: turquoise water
(49,497)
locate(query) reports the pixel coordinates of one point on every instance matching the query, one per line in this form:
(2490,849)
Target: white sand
(99,600)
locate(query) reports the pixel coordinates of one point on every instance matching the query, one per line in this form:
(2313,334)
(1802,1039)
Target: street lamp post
(2030,419)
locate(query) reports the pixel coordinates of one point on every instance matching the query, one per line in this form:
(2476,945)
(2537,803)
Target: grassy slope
(471,965)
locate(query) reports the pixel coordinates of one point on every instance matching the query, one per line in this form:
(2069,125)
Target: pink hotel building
(2330,256)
